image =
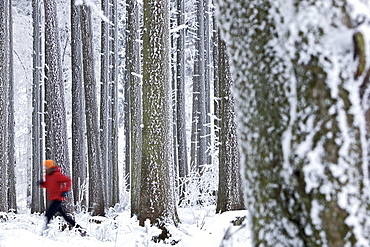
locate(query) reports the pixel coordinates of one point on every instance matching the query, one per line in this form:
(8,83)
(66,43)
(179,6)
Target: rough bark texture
(55,122)
(199,112)
(96,190)
(114,61)
(180,94)
(12,199)
(105,133)
(157,202)
(79,161)
(300,123)
(54,90)
(230,193)
(37,198)
(135,91)
(4,101)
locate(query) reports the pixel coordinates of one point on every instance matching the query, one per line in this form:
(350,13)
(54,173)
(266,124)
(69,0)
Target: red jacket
(55,184)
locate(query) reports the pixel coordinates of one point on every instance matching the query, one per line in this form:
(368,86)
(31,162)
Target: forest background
(78,77)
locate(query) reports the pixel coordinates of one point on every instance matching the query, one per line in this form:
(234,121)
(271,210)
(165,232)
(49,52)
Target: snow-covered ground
(199,227)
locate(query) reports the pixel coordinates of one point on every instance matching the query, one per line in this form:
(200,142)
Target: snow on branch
(94,8)
(178,28)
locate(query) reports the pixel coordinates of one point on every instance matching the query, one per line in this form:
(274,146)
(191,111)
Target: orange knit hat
(49,163)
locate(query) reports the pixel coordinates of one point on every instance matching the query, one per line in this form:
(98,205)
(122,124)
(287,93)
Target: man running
(57,186)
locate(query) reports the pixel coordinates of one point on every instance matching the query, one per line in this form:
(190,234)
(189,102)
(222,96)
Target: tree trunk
(199,129)
(104,102)
(37,197)
(56,123)
(157,197)
(79,164)
(12,199)
(180,99)
(96,194)
(133,73)
(303,143)
(230,193)
(113,64)
(54,90)
(4,102)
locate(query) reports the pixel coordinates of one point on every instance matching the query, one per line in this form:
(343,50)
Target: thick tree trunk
(230,193)
(56,123)
(37,198)
(96,190)
(135,90)
(157,196)
(300,120)
(79,162)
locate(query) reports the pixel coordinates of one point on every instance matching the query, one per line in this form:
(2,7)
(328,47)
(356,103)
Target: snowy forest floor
(199,227)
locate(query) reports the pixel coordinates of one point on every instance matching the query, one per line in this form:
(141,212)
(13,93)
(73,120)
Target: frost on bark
(135,100)
(79,161)
(108,102)
(96,194)
(180,99)
(12,199)
(104,100)
(55,119)
(113,103)
(301,123)
(54,90)
(230,194)
(4,101)
(37,198)
(157,196)
(199,115)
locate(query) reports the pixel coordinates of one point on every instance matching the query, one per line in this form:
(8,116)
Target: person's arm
(41,183)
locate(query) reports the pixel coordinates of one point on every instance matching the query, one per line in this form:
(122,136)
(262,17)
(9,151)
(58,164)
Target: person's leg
(54,207)
(66,217)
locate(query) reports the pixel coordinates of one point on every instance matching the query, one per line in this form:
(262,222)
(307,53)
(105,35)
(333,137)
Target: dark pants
(56,206)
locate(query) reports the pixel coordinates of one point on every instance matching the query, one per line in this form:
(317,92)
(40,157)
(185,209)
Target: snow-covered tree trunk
(157,196)
(133,66)
(182,154)
(208,30)
(54,91)
(300,118)
(230,193)
(216,81)
(104,99)
(112,168)
(199,117)
(37,198)
(113,104)
(4,101)
(96,186)
(79,162)
(12,199)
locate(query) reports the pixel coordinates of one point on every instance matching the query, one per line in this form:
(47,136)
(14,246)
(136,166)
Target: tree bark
(230,193)
(96,194)
(180,99)
(79,162)
(37,197)
(135,90)
(4,102)
(296,91)
(157,196)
